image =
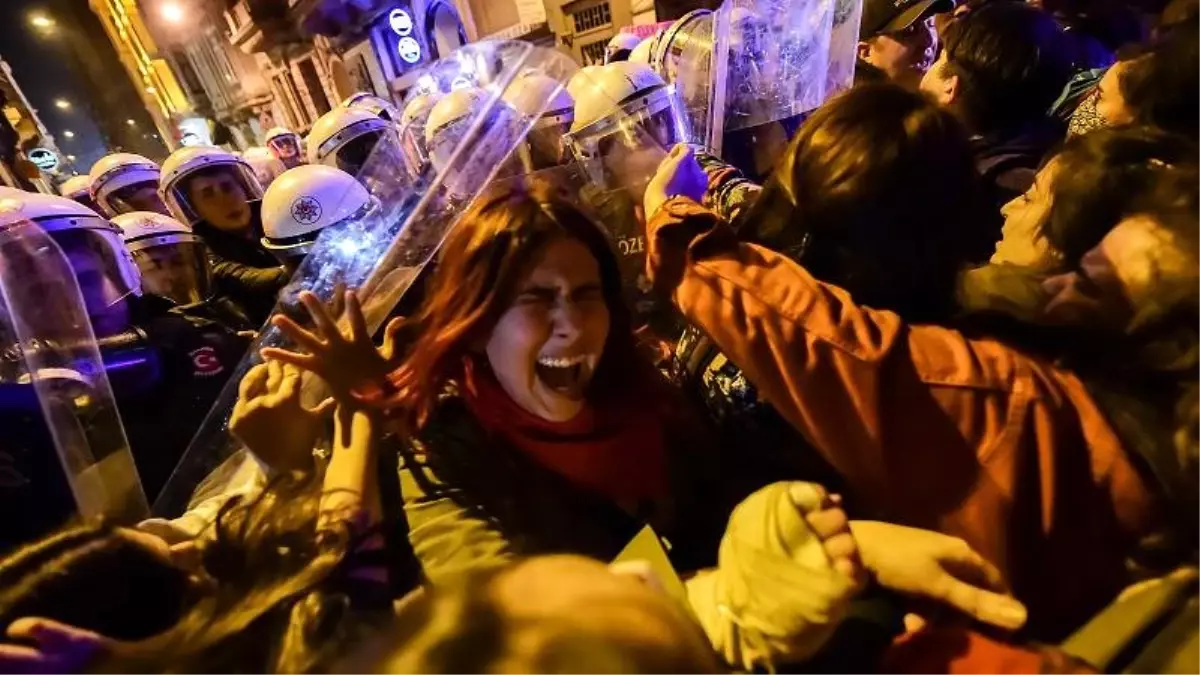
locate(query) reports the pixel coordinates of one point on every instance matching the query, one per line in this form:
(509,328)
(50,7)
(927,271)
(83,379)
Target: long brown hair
(878,194)
(478,268)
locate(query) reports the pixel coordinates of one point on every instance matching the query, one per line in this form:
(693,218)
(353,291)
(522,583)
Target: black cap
(889,16)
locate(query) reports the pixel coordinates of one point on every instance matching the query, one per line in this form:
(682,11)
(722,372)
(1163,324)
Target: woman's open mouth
(565,375)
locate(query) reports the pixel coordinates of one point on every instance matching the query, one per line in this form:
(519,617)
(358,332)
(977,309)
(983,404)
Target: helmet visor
(178,272)
(285,147)
(219,194)
(625,150)
(95,258)
(141,196)
(544,147)
(352,156)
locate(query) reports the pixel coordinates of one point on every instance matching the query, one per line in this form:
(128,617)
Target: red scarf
(616,450)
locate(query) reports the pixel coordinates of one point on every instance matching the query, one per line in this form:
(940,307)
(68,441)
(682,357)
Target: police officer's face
(172,271)
(103,299)
(220,200)
(141,197)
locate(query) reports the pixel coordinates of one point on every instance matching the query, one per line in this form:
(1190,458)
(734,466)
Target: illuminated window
(593,52)
(591,18)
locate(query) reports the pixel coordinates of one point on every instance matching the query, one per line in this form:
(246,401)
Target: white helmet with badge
(186,165)
(373,104)
(620,46)
(304,202)
(286,145)
(172,259)
(344,138)
(92,244)
(124,182)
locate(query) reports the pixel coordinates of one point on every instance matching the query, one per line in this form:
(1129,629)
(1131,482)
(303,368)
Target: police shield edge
(384,248)
(748,73)
(65,450)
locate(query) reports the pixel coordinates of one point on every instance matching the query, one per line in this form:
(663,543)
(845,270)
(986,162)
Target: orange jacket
(931,429)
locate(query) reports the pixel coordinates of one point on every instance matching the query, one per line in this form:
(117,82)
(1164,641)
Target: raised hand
(939,567)
(342,355)
(679,175)
(271,419)
(57,647)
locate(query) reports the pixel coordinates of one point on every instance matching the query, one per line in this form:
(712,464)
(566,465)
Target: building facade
(378,45)
(296,71)
(146,65)
(224,84)
(584,27)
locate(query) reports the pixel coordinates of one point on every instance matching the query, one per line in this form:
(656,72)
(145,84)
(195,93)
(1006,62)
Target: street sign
(43,158)
(401,22)
(409,49)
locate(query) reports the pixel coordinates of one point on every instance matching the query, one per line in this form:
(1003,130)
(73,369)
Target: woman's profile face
(1021,241)
(545,347)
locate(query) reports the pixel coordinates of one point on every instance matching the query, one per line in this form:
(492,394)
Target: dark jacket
(1008,160)
(243,269)
(473,501)
(195,359)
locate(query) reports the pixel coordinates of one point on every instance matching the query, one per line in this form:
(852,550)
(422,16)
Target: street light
(41,21)
(62,104)
(68,134)
(172,12)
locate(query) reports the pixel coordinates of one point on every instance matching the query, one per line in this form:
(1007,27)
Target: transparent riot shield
(64,448)
(620,152)
(385,248)
(747,74)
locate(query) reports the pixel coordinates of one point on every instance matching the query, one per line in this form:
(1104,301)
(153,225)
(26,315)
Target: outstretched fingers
(303,337)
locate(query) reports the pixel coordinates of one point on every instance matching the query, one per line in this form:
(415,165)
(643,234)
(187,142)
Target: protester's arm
(729,192)
(891,406)
(449,534)
(818,358)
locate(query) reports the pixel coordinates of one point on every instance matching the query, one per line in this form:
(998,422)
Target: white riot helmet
(286,145)
(627,103)
(124,182)
(448,127)
(304,202)
(412,130)
(581,78)
(106,271)
(79,189)
(538,95)
(676,42)
(620,46)
(266,167)
(373,104)
(184,197)
(448,122)
(75,187)
(344,138)
(172,259)
(644,50)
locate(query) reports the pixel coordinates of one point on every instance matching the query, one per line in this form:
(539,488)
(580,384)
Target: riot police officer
(217,194)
